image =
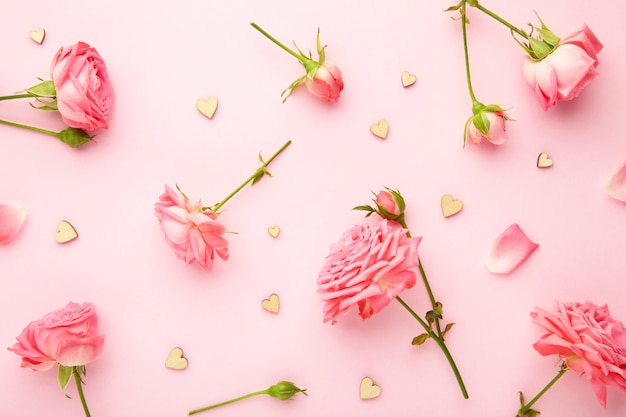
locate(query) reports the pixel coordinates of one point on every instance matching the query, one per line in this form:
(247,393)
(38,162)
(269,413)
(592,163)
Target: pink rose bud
(390,204)
(487,123)
(561,71)
(325,82)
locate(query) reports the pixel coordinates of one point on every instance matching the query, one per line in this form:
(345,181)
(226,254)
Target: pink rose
(67,336)
(325,82)
(495,129)
(568,69)
(192,231)
(12,217)
(83,91)
(589,341)
(371,264)
(385,201)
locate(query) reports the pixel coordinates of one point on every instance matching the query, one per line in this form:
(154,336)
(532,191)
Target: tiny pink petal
(12,217)
(617,184)
(509,250)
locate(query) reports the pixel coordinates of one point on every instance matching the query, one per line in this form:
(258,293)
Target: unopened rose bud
(390,204)
(74,137)
(284,390)
(488,122)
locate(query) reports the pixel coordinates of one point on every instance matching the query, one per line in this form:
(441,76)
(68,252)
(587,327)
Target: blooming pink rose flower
(509,250)
(589,340)
(371,264)
(617,184)
(83,91)
(497,129)
(563,74)
(68,336)
(325,82)
(12,217)
(193,233)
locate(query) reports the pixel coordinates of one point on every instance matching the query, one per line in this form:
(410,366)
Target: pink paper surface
(162,57)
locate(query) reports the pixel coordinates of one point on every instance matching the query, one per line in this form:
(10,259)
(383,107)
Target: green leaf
(419,340)
(65,373)
(541,49)
(433,315)
(448,327)
(364,208)
(43,89)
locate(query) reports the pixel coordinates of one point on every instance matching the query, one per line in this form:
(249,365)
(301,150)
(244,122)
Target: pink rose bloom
(371,264)
(12,217)
(193,233)
(67,336)
(385,201)
(83,91)
(568,69)
(589,340)
(497,129)
(325,82)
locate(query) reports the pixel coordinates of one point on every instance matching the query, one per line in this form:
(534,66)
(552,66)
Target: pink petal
(617,184)
(509,250)
(12,218)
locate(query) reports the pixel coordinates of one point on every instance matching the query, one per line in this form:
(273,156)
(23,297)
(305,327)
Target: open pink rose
(589,340)
(496,130)
(325,82)
(68,336)
(193,232)
(12,217)
(566,71)
(83,91)
(509,250)
(371,264)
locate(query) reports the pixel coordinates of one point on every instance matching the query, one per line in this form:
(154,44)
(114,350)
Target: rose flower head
(589,340)
(371,264)
(488,123)
(190,229)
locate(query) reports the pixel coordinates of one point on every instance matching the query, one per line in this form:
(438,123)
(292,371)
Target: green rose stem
(441,344)
(308,63)
(258,174)
(498,18)
(526,407)
(475,102)
(79,387)
(26,95)
(234,400)
(72,136)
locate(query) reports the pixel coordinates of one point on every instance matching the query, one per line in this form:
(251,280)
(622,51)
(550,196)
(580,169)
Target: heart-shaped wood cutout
(450,206)
(176,360)
(37,35)
(274,231)
(368,389)
(207,107)
(544,161)
(271,304)
(408,79)
(380,129)
(66,232)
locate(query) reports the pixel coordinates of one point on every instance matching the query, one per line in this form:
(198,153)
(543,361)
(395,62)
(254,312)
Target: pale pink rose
(617,184)
(68,336)
(589,340)
(509,250)
(566,71)
(385,201)
(325,82)
(12,217)
(371,264)
(497,129)
(193,233)
(83,91)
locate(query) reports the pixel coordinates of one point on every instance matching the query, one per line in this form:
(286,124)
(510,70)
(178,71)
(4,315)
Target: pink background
(162,57)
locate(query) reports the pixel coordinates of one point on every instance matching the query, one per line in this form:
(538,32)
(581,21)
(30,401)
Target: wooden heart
(408,79)
(368,389)
(207,107)
(271,304)
(66,232)
(176,360)
(37,35)
(380,129)
(274,231)
(450,206)
(544,161)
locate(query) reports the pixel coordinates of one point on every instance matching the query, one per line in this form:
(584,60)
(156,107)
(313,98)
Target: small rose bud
(488,122)
(74,137)
(284,390)
(390,204)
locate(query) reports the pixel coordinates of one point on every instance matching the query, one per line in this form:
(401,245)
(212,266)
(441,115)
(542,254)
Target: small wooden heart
(450,206)
(66,232)
(207,107)
(37,35)
(544,161)
(408,79)
(274,231)
(271,304)
(176,360)
(380,129)
(368,389)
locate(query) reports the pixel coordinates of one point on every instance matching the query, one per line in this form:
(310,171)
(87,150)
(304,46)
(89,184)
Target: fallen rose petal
(12,218)
(509,250)
(617,184)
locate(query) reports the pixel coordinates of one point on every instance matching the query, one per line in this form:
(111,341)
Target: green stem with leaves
(439,342)
(243,397)
(526,407)
(258,174)
(79,387)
